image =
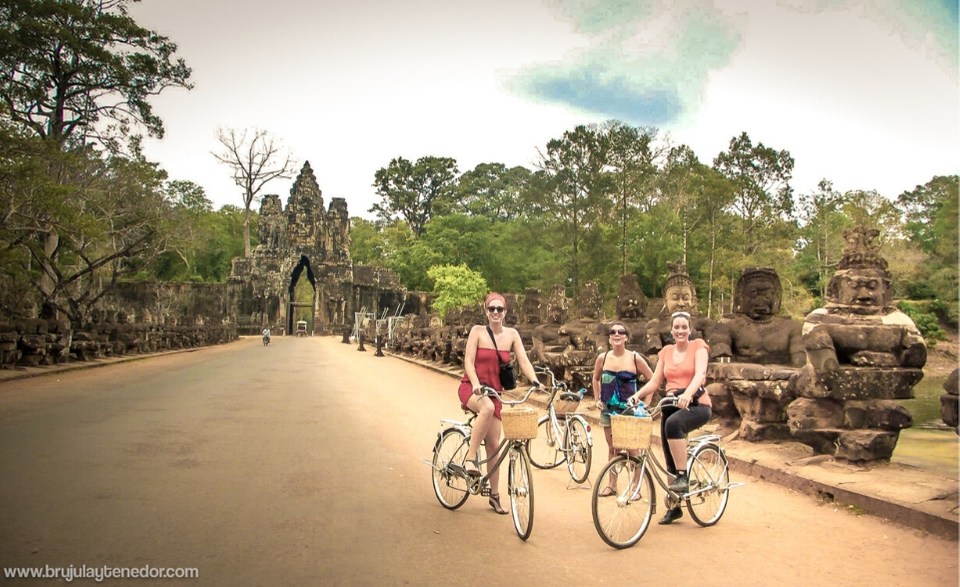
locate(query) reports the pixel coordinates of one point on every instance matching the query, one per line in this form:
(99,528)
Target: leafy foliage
(69,64)
(415,192)
(926,322)
(611,199)
(455,286)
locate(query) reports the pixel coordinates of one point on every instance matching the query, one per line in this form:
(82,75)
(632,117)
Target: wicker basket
(519,423)
(566,406)
(631,432)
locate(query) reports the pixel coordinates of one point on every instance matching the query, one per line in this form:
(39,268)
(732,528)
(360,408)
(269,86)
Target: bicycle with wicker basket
(453,484)
(622,519)
(563,435)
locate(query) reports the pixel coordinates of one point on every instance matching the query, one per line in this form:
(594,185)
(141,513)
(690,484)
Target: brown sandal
(494,502)
(607,492)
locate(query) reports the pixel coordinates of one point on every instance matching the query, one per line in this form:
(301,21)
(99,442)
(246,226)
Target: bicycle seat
(569,396)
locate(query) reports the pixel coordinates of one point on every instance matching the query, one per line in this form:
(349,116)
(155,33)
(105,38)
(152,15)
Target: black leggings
(676,423)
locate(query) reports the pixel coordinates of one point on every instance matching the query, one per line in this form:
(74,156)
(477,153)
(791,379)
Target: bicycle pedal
(485,490)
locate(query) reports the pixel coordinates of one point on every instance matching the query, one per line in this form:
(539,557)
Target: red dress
(488,372)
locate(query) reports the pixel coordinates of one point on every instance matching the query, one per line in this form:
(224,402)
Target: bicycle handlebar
(489,391)
(666,401)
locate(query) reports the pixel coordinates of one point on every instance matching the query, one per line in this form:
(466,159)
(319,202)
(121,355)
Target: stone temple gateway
(307,244)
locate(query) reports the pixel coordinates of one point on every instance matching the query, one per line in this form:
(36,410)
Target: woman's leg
(484,408)
(611,488)
(490,443)
(678,426)
(665,432)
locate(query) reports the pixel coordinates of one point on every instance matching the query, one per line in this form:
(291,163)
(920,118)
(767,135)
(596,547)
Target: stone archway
(292,303)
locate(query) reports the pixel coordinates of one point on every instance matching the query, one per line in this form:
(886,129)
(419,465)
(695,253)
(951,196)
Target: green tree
(184,231)
(492,191)
(930,221)
(78,232)
(366,242)
(927,215)
(631,163)
(572,188)
(820,240)
(415,192)
(455,286)
(68,65)
(763,194)
(224,242)
(76,77)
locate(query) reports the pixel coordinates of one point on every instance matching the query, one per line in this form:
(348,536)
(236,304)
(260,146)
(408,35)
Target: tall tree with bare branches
(254,161)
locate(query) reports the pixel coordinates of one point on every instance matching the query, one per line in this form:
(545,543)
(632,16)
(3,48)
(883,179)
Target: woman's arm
(643,367)
(700,357)
(470,356)
(525,365)
(597,373)
(652,385)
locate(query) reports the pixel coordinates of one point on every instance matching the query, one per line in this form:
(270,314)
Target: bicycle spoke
(448,456)
(709,485)
(621,519)
(520,484)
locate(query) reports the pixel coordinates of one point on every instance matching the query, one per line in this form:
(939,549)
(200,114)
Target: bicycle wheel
(580,453)
(545,448)
(709,480)
(622,518)
(520,486)
(451,448)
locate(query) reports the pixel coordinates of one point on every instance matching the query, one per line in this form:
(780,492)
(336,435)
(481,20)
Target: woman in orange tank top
(682,368)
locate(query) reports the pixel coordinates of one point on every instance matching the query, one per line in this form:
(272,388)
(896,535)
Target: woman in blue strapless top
(616,377)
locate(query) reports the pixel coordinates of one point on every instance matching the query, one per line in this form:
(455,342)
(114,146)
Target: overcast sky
(865,93)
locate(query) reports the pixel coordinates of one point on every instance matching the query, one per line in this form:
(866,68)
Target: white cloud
(349,86)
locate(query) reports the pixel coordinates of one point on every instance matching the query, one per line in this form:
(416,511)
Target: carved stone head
(679,294)
(589,301)
(631,301)
(758,293)
(557,306)
(861,284)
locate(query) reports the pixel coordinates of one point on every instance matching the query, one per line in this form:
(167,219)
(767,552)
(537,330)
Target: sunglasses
(495,309)
(617,331)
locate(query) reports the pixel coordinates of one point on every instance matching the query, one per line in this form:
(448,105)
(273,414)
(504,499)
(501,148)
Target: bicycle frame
(475,483)
(453,483)
(555,419)
(661,475)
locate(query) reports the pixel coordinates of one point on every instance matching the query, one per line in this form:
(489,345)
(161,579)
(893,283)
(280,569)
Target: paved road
(299,464)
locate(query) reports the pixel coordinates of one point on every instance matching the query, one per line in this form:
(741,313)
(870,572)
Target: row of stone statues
(831,381)
(33,341)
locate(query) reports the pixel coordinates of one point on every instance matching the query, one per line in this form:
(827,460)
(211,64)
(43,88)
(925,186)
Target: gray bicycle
(453,484)
(563,435)
(622,519)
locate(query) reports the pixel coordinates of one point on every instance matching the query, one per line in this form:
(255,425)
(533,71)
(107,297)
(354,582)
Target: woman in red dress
(481,367)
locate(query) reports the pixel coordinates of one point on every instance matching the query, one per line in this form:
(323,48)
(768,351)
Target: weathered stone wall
(140,317)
